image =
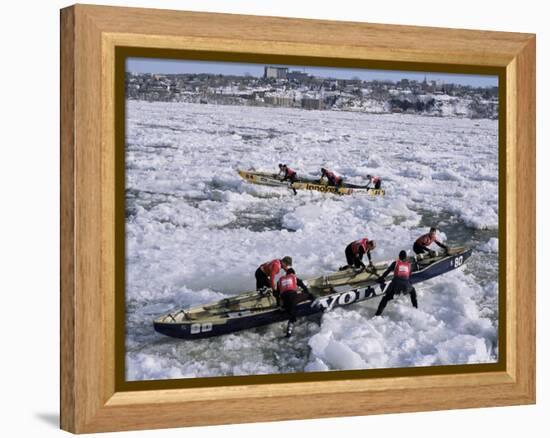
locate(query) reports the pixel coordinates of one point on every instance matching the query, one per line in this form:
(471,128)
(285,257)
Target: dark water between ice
(482,264)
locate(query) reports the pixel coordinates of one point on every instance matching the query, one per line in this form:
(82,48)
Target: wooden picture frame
(92,398)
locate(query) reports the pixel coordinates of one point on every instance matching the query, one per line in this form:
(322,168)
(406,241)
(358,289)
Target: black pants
(419,249)
(262,280)
(377,185)
(290,299)
(351,258)
(396,287)
(292,178)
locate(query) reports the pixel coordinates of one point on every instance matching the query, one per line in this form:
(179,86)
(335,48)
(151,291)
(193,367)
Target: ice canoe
(342,288)
(274,180)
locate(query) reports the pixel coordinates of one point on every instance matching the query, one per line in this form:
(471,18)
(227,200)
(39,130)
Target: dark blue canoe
(253,309)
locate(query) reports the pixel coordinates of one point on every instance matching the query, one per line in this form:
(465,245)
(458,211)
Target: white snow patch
(490,246)
(196,232)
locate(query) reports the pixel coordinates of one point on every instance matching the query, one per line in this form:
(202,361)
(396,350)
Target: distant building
(275,72)
(297,76)
(286,101)
(312,103)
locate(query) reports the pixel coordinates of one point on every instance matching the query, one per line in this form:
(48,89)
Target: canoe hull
(273,180)
(235,319)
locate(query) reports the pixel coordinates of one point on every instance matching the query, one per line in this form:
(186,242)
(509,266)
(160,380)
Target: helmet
(402,255)
(280,165)
(372,244)
(287,260)
(323,170)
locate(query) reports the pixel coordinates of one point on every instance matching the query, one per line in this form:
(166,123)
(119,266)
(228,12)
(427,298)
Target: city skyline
(169,66)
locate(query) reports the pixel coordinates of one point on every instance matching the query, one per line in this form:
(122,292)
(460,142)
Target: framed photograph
(274,218)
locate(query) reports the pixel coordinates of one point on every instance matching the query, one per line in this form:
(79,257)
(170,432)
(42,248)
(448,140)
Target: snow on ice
(196,232)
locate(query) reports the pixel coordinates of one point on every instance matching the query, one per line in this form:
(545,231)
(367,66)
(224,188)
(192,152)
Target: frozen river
(196,232)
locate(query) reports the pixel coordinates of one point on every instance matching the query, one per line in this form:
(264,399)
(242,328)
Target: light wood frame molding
(90,35)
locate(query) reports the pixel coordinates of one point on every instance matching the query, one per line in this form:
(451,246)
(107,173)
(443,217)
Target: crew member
(287,290)
(355,252)
(266,273)
(332,178)
(422,243)
(401,282)
(376,181)
(287,173)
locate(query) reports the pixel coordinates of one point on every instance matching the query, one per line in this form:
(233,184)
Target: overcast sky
(166,66)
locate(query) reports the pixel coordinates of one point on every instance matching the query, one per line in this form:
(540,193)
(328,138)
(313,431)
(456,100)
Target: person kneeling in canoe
(355,252)
(266,273)
(421,244)
(287,291)
(332,178)
(376,182)
(401,282)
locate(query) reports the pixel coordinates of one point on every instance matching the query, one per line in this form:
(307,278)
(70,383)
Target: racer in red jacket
(355,252)
(287,173)
(266,273)
(401,282)
(287,291)
(423,242)
(332,178)
(376,182)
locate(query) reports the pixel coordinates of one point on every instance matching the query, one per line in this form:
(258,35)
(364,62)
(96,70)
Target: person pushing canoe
(288,174)
(401,282)
(376,182)
(332,178)
(421,244)
(287,292)
(355,252)
(266,273)
(230,315)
